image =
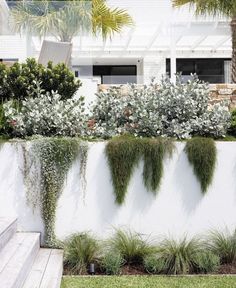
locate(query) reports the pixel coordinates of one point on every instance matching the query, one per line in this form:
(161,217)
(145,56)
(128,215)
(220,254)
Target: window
(116,74)
(209,70)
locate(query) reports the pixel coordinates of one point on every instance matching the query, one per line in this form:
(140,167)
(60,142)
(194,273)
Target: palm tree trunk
(233,28)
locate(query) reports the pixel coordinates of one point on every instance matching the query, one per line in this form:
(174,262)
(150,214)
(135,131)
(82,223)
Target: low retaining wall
(179,207)
(219,92)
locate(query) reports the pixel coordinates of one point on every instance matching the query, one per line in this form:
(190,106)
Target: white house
(163,40)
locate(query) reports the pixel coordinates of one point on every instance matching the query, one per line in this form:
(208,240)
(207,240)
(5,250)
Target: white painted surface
(148,41)
(7,230)
(178,208)
(88,90)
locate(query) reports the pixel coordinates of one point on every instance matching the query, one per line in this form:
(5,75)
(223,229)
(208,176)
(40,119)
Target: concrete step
(16,259)
(7,230)
(46,271)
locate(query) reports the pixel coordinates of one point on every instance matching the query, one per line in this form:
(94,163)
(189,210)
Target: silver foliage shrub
(46,115)
(175,110)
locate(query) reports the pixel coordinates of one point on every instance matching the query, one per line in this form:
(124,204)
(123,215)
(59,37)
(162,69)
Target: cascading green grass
(123,155)
(202,154)
(125,152)
(154,152)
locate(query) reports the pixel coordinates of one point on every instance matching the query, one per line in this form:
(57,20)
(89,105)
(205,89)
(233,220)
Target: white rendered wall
(178,208)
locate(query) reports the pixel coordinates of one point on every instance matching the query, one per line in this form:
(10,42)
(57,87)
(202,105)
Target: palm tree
(65,19)
(217,7)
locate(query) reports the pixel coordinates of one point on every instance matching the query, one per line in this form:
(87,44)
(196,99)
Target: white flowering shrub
(46,115)
(175,110)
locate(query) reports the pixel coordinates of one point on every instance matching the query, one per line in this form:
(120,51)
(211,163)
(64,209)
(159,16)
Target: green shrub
(4,85)
(18,81)
(112,262)
(80,250)
(154,264)
(207,262)
(131,246)
(223,244)
(201,154)
(179,257)
(232,129)
(59,78)
(160,109)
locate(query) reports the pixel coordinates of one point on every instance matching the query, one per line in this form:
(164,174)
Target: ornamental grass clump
(179,257)
(81,250)
(223,244)
(131,246)
(201,153)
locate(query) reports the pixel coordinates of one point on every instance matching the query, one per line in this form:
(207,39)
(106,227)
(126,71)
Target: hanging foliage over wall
(56,156)
(154,152)
(201,154)
(83,164)
(46,165)
(123,155)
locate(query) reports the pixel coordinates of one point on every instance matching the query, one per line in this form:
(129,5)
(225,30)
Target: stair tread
(7,230)
(5,223)
(46,271)
(15,257)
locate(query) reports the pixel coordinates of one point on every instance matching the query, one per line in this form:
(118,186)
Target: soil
(133,270)
(139,270)
(227,269)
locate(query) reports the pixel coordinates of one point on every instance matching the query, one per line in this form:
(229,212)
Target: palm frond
(68,19)
(211,7)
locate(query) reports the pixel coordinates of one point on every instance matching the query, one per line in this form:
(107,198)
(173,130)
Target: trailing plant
(112,262)
(83,164)
(56,156)
(123,155)
(31,175)
(131,246)
(201,153)
(154,152)
(223,244)
(80,250)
